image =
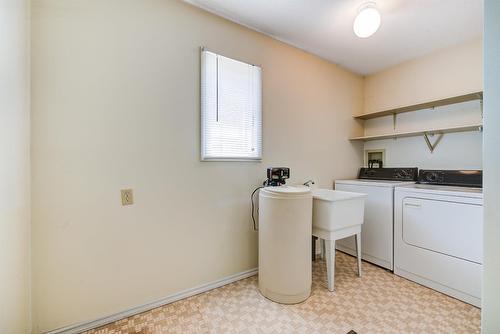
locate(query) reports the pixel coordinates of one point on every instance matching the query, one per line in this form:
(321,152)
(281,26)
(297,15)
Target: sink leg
(313,247)
(330,263)
(322,248)
(358,251)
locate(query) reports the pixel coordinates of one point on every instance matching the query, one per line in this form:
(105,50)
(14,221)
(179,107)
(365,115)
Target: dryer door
(447,227)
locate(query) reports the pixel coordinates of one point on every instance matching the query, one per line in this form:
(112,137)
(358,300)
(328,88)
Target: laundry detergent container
(285,229)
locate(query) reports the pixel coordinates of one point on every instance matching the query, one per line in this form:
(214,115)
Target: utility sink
(337,215)
(334,209)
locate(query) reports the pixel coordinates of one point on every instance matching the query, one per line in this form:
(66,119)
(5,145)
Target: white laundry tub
(335,209)
(337,215)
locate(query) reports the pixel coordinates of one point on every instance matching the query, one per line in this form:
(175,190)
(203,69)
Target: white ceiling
(410,28)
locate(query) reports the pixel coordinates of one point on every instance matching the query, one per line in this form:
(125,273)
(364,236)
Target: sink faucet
(308,183)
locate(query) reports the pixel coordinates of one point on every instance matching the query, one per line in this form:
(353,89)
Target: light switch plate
(127,196)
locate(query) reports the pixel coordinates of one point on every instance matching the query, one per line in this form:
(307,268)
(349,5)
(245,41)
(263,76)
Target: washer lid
(442,190)
(291,190)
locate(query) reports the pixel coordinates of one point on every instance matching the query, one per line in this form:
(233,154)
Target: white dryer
(377,231)
(438,233)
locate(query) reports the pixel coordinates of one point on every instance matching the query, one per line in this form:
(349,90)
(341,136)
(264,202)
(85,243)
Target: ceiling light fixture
(367,21)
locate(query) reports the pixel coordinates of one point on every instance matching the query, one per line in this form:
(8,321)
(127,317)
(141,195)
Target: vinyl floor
(378,302)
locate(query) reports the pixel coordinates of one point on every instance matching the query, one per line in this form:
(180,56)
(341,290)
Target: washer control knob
(432,177)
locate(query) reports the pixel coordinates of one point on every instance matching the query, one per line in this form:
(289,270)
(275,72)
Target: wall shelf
(466,128)
(425,105)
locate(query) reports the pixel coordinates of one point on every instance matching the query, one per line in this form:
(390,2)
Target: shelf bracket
(430,145)
(481,105)
(394,120)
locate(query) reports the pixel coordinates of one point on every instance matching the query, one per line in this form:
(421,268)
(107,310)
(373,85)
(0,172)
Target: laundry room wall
(490,321)
(446,73)
(454,150)
(116,105)
(14,167)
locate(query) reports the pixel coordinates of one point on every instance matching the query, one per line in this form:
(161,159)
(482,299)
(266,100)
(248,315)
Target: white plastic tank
(285,229)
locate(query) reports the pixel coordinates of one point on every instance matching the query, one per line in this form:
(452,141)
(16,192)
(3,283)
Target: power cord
(265,183)
(253,208)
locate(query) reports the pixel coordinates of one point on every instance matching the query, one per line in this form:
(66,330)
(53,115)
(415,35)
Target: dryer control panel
(390,174)
(458,178)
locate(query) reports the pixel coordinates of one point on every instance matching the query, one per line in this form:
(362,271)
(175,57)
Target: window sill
(231,159)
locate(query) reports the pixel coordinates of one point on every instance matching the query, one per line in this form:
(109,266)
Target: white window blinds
(231,109)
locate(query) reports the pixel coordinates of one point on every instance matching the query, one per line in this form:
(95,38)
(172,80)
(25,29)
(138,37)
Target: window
(231,109)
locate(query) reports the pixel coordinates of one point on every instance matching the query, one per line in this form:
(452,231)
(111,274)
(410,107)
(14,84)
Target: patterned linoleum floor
(378,302)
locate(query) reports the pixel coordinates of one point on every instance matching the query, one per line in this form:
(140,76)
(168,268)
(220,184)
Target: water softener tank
(285,229)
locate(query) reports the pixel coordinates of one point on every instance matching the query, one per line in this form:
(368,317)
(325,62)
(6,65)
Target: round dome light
(367,21)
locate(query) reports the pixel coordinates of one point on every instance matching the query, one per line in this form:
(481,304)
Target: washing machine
(377,231)
(438,233)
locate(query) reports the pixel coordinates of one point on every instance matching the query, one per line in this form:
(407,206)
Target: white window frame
(206,112)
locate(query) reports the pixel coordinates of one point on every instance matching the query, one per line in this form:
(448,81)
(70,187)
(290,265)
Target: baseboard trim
(88,325)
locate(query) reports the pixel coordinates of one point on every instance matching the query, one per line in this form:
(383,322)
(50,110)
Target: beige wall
(455,150)
(445,73)
(14,168)
(450,72)
(116,105)
(491,281)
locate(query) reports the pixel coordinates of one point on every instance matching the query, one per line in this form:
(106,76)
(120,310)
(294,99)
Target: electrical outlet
(127,196)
